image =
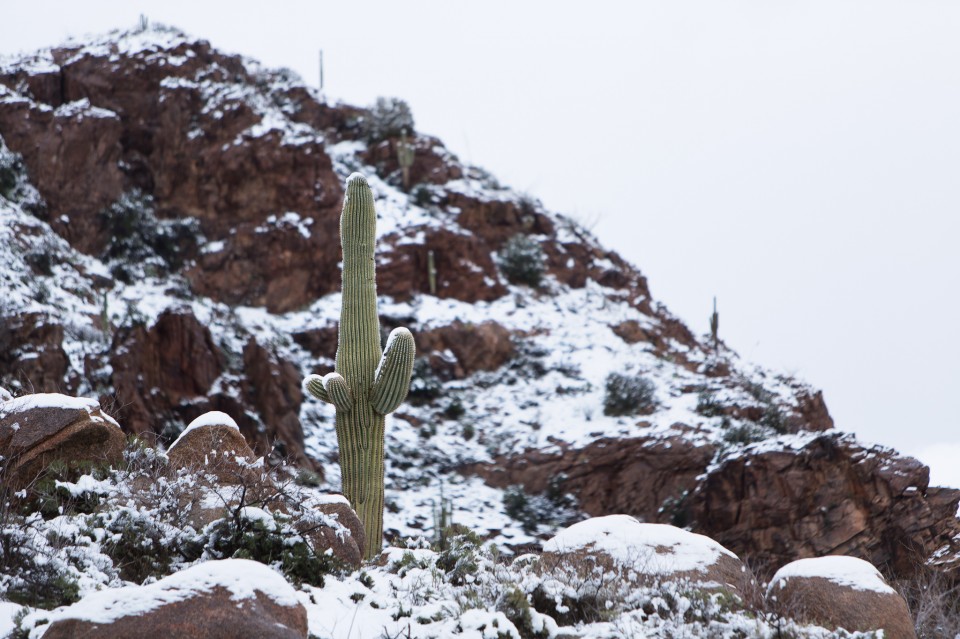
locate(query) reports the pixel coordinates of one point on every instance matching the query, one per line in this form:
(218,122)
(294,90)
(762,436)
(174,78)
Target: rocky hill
(169,220)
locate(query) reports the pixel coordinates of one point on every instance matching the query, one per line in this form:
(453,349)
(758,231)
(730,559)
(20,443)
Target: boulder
(840,592)
(36,430)
(212,443)
(652,552)
(608,557)
(333,525)
(213,600)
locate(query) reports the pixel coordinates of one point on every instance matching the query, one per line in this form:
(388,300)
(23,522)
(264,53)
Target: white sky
(799,160)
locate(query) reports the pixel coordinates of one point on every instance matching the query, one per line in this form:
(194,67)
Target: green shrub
(425,386)
(137,545)
(35,578)
(514,605)
(270,542)
(522,261)
(138,240)
(628,395)
(708,405)
(551,508)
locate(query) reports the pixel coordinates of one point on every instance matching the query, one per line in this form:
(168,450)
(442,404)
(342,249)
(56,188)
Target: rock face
(829,495)
(476,347)
(645,477)
(840,592)
(31,352)
(36,430)
(160,371)
(214,600)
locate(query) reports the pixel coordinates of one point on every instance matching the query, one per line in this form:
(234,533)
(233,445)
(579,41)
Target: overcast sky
(799,160)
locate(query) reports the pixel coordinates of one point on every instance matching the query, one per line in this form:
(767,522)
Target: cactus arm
(331,388)
(392,377)
(314,385)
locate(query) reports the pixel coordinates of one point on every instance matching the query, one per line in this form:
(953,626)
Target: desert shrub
(514,605)
(458,558)
(11,171)
(774,419)
(744,434)
(138,239)
(522,261)
(552,508)
(140,547)
(388,118)
(31,573)
(708,405)
(425,386)
(269,541)
(628,395)
(934,602)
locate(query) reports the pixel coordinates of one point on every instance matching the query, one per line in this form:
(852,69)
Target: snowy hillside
(169,246)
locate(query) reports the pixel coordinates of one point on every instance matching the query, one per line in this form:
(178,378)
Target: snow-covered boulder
(36,430)
(604,558)
(212,443)
(214,600)
(840,592)
(649,551)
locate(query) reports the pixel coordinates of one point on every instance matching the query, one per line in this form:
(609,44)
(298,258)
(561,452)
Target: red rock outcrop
(31,353)
(36,430)
(828,496)
(161,371)
(465,270)
(272,386)
(477,347)
(643,477)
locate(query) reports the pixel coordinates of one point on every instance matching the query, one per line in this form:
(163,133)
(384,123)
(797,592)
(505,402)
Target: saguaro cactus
(715,325)
(405,155)
(368,383)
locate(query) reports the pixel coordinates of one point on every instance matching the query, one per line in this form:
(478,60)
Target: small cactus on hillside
(715,325)
(368,383)
(405,155)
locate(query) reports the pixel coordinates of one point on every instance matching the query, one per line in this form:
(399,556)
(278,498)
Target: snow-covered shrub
(628,395)
(522,260)
(388,118)
(554,507)
(272,540)
(425,386)
(140,546)
(11,172)
(139,241)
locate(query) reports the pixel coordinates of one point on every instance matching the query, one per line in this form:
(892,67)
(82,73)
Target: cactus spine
(368,383)
(405,154)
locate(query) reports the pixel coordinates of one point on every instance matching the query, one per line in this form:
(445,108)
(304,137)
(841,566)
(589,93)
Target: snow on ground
(843,571)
